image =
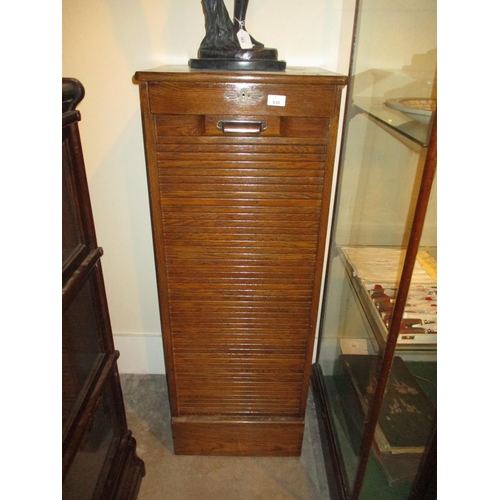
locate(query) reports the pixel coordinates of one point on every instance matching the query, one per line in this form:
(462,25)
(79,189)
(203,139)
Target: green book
(407,414)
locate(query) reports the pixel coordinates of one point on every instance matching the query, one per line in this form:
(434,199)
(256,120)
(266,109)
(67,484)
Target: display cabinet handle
(241,127)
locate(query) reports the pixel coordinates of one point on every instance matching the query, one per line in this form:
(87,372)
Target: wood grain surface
(239,227)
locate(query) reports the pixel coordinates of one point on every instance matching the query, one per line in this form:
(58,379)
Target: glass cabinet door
(377,352)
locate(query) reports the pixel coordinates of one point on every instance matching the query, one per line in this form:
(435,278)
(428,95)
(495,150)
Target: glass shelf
(396,121)
(415,346)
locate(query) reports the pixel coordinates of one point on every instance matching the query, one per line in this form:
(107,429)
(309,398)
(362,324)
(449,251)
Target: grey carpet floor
(177,477)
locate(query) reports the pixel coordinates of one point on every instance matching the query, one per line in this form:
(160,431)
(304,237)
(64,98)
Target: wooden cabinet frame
(240,169)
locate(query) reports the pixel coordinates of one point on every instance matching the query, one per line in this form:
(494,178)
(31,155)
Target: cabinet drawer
(171,128)
(242,99)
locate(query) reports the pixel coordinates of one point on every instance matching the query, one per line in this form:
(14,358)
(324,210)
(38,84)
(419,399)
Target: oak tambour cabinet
(240,168)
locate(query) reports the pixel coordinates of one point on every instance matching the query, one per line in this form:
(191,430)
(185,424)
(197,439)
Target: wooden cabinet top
(290,75)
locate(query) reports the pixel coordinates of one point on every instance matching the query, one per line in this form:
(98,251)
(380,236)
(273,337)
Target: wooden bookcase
(240,168)
(98,459)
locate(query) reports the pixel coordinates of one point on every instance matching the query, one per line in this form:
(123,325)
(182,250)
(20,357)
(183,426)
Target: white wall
(104,43)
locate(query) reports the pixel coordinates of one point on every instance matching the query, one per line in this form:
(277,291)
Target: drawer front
(169,128)
(242,98)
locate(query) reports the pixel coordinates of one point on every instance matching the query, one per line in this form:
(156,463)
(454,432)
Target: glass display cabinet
(375,373)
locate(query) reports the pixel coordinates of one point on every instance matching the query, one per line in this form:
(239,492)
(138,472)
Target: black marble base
(264,53)
(235,65)
(262,59)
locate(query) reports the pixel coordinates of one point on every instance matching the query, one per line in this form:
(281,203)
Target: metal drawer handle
(241,127)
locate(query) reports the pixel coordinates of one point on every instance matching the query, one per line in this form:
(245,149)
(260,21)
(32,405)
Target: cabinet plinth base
(280,437)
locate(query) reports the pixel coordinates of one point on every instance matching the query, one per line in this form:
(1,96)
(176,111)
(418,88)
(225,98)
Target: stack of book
(407,416)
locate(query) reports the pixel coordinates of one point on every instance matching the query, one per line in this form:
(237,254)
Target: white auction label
(276,100)
(354,346)
(244,39)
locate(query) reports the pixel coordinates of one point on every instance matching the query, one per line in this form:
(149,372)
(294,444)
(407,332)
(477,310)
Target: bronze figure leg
(240,12)
(221,31)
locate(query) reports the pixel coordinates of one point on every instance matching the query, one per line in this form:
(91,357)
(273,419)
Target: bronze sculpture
(228,45)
